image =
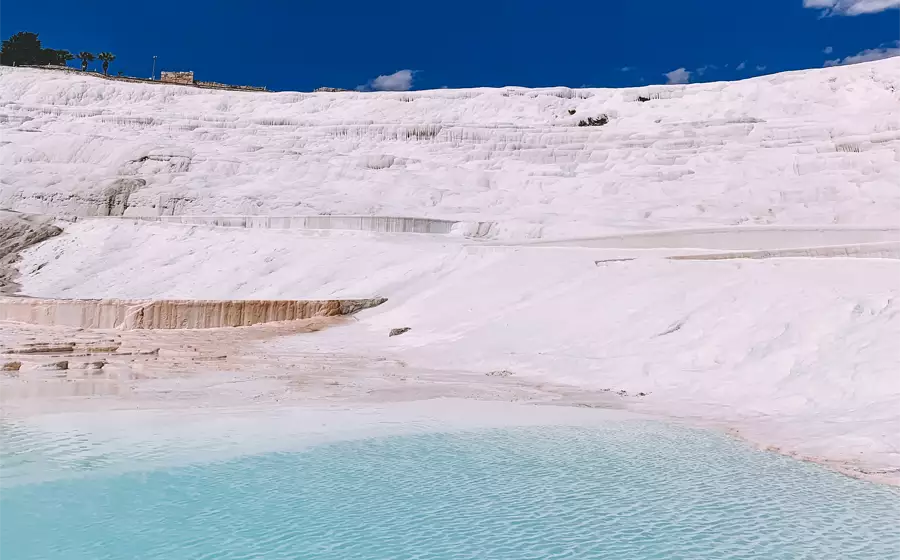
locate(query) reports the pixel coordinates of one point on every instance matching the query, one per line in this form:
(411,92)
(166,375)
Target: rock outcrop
(171,314)
(17,232)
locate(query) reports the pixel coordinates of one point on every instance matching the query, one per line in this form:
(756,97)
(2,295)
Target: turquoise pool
(630,490)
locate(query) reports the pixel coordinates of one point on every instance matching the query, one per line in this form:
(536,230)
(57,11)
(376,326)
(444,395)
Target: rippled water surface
(632,490)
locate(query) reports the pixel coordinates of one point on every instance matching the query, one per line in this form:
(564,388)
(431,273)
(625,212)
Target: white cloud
(401,80)
(704,69)
(886,50)
(741,66)
(828,50)
(851,7)
(678,76)
(761,67)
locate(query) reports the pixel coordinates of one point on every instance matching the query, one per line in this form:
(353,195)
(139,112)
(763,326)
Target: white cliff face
(810,147)
(593,278)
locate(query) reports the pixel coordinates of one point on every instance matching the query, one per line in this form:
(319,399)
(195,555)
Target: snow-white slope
(819,147)
(801,353)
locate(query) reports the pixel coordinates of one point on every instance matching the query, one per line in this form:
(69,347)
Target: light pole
(153,72)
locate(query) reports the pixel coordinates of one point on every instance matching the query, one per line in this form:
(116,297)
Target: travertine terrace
(723,253)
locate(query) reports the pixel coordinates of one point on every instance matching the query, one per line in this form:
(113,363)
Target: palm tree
(106,57)
(63,57)
(85,57)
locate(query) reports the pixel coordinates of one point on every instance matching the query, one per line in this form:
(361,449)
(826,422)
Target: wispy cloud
(741,66)
(704,69)
(401,80)
(828,50)
(885,50)
(851,7)
(678,76)
(626,69)
(761,67)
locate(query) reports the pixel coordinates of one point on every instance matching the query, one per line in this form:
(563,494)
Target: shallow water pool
(626,490)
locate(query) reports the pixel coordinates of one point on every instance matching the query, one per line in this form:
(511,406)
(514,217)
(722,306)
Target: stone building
(187,79)
(184,78)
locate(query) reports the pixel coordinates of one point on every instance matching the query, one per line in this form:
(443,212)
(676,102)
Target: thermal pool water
(620,489)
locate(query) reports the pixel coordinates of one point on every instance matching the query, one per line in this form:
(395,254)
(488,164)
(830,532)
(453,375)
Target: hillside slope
(808,147)
(778,318)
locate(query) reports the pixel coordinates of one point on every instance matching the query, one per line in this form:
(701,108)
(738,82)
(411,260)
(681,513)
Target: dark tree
(59,58)
(106,57)
(20,49)
(85,57)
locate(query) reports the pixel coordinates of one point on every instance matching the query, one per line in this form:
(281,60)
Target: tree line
(24,48)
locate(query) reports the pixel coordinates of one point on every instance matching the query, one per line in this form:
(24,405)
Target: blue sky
(304,44)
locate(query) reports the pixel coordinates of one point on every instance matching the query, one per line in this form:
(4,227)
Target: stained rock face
(18,232)
(172,314)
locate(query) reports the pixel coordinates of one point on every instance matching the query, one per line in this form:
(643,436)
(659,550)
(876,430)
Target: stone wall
(217,85)
(186,78)
(132,79)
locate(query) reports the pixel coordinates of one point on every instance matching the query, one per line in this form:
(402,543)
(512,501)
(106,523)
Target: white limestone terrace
(726,252)
(807,147)
(375,224)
